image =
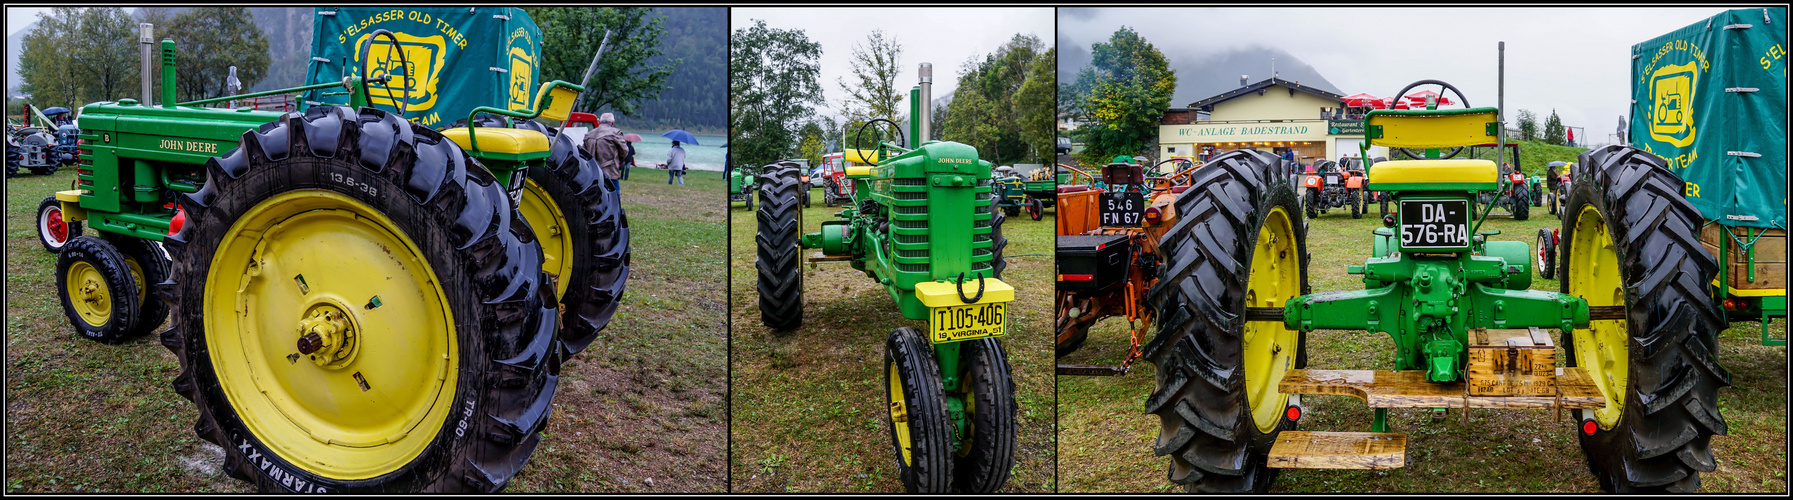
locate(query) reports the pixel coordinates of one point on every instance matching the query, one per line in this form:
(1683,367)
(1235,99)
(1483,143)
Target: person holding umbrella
(675,157)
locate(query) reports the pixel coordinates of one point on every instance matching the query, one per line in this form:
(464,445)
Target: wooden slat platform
(1409,389)
(818,257)
(1339,450)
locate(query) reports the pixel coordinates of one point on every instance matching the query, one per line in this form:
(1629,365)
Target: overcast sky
(944,37)
(17,18)
(1576,61)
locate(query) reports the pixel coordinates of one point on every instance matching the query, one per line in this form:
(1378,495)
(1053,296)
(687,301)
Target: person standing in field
(675,164)
(606,145)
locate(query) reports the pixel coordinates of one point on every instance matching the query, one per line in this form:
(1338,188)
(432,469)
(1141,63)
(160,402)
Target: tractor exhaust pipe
(146,40)
(925,104)
(1500,104)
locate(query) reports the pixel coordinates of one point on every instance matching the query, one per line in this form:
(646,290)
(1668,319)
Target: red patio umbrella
(1361,100)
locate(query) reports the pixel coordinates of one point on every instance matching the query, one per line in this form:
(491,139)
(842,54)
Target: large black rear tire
(599,232)
(1521,204)
(1209,429)
(984,463)
(1660,440)
(998,243)
(780,224)
(910,367)
(479,252)
(1312,203)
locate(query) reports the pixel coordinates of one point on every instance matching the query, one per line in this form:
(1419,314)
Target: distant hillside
(1200,76)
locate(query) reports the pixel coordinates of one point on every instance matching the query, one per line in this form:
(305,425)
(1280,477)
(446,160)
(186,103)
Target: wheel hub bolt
(326,336)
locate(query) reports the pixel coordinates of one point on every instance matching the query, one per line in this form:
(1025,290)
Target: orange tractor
(1108,234)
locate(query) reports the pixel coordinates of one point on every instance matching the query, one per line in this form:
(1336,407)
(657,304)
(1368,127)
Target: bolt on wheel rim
(88,294)
(387,388)
(549,225)
(1269,346)
(1603,348)
(899,416)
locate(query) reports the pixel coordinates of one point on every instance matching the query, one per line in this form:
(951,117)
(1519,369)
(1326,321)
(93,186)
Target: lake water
(652,150)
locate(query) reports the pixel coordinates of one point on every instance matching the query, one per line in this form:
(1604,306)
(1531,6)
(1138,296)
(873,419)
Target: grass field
(641,410)
(1106,439)
(808,405)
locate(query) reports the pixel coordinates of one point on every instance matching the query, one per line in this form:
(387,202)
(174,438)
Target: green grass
(1106,439)
(646,400)
(808,405)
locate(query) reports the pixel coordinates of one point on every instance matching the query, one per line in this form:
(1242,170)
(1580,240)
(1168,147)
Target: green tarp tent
(459,58)
(1711,98)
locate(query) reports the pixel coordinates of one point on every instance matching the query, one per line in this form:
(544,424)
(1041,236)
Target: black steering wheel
(861,131)
(1442,86)
(385,75)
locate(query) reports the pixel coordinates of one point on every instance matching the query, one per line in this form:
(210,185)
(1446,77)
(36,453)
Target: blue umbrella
(55,110)
(681,136)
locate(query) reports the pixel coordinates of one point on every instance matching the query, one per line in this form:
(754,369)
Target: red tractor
(835,188)
(1329,186)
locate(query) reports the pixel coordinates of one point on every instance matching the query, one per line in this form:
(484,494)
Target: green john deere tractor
(923,223)
(359,303)
(1641,376)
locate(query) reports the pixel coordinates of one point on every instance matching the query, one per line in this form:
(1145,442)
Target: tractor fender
(1354,182)
(1312,181)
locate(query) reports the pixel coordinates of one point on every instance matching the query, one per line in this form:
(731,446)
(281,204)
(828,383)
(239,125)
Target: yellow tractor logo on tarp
(425,56)
(1671,104)
(522,82)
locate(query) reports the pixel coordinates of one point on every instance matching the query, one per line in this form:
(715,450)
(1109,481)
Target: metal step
(1409,389)
(1339,450)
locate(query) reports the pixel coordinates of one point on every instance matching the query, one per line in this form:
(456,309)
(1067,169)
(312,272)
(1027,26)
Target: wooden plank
(1410,389)
(817,256)
(1541,337)
(1338,450)
(1577,389)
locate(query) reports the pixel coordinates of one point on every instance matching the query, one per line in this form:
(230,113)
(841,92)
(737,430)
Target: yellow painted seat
(513,141)
(1431,129)
(860,155)
(1396,174)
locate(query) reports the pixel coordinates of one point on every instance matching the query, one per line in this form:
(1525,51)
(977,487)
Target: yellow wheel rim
(88,294)
(1270,346)
(1603,348)
(549,226)
(137,276)
(378,393)
(899,415)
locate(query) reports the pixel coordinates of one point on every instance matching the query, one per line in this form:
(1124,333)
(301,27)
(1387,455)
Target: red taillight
(1588,427)
(1153,216)
(180,219)
(1076,277)
(1294,412)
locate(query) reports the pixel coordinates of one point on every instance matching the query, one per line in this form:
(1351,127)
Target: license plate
(1332,179)
(1123,208)
(1435,224)
(967,322)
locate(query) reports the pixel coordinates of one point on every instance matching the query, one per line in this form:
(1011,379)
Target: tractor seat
(511,141)
(1433,175)
(1178,189)
(1072,189)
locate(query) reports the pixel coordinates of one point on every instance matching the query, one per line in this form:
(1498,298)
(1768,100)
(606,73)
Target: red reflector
(1099,246)
(1076,277)
(1588,427)
(180,219)
(1294,413)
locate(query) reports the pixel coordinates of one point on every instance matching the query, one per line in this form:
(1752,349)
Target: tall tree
(774,80)
(1528,125)
(1553,129)
(108,57)
(872,92)
(1034,105)
(970,117)
(811,143)
(1130,92)
(209,40)
(49,74)
(624,80)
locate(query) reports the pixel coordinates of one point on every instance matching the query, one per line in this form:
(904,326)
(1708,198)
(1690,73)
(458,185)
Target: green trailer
(922,223)
(1710,99)
(358,302)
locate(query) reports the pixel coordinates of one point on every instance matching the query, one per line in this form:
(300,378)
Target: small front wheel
(920,430)
(53,231)
(98,291)
(1546,254)
(988,392)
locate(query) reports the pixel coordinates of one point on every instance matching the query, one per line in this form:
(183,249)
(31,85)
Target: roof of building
(1262,85)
